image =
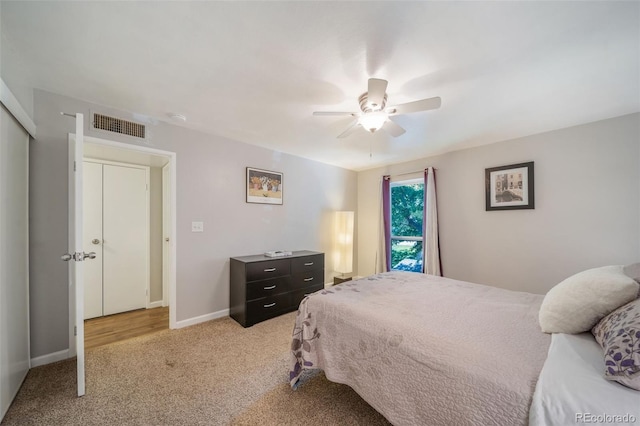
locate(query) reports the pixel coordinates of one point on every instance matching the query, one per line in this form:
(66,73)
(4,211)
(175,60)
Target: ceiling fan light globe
(373,121)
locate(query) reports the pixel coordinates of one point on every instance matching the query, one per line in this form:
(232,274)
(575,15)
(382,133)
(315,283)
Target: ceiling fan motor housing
(365,106)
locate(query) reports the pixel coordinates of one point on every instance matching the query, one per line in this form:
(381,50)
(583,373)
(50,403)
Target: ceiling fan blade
(375,92)
(331,113)
(392,128)
(415,106)
(351,129)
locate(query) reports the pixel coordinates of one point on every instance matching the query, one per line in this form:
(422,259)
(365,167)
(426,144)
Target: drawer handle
(308,279)
(308,264)
(270,305)
(271,287)
(270,269)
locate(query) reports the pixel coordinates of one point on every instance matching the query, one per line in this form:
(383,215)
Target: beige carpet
(215,373)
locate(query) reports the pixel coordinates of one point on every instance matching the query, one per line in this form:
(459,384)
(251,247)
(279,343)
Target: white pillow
(576,304)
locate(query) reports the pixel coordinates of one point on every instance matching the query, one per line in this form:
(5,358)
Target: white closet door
(92,238)
(125,234)
(14,255)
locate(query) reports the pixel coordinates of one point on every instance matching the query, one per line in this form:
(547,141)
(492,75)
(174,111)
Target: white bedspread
(425,350)
(572,388)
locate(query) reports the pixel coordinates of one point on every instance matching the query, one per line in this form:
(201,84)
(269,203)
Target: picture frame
(510,187)
(264,186)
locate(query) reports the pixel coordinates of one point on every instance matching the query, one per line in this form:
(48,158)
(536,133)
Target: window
(407,205)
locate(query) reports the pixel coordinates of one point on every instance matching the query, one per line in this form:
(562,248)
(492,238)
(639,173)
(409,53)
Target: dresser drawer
(267,307)
(304,280)
(266,288)
(307,263)
(268,269)
(298,295)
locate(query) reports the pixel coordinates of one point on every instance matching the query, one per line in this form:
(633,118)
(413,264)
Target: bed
(571,389)
(422,349)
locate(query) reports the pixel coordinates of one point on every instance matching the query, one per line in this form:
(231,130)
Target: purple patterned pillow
(619,335)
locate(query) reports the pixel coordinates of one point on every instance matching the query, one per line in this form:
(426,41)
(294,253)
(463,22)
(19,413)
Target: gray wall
(587,208)
(14,72)
(210,188)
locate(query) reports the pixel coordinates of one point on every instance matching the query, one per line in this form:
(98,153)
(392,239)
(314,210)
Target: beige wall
(587,190)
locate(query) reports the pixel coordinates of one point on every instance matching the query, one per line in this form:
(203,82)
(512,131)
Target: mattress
(572,388)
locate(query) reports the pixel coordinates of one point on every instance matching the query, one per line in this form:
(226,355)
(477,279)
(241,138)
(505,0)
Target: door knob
(78,257)
(95,241)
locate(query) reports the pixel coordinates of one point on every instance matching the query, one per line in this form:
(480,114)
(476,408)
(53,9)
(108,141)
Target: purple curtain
(386,215)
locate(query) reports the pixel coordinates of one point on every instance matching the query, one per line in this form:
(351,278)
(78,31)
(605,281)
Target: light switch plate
(197,226)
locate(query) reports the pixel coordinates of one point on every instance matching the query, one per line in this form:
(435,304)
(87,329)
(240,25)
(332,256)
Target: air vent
(117,125)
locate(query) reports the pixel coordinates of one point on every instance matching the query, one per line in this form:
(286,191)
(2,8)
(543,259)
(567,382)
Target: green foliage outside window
(407,205)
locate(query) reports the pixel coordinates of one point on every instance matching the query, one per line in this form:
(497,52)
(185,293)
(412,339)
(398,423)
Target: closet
(116,228)
(14,255)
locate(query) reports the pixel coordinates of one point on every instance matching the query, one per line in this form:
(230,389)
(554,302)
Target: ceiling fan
(374,116)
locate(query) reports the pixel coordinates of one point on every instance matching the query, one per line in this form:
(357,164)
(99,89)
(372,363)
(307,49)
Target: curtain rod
(411,173)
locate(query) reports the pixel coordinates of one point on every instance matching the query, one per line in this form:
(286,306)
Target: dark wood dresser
(264,287)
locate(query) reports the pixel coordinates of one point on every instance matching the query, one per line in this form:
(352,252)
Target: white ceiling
(255,71)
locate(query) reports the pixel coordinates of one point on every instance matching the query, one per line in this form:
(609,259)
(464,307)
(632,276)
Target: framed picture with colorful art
(509,187)
(264,186)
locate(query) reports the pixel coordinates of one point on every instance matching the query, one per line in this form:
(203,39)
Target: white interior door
(125,238)
(92,238)
(76,254)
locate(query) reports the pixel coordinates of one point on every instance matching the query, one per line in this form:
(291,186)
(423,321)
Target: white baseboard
(202,318)
(49,358)
(157,304)
(64,354)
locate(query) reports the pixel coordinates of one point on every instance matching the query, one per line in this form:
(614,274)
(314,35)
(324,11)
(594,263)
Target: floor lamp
(343,245)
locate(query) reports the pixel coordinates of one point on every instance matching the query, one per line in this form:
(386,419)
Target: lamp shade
(343,244)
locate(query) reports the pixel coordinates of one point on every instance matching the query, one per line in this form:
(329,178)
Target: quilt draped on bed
(423,349)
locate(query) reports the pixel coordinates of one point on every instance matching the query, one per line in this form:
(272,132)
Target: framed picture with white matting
(264,186)
(509,187)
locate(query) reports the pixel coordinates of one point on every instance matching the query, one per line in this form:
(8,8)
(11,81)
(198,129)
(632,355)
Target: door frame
(172,162)
(167,234)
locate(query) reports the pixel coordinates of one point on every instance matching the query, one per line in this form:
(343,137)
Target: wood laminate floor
(114,328)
